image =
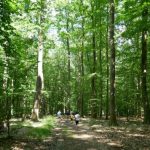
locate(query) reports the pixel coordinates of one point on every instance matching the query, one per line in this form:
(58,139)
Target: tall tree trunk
(107,69)
(93,81)
(101,85)
(138,95)
(138,85)
(6,94)
(113,120)
(82,81)
(39,82)
(81,66)
(144,66)
(69,70)
(100,64)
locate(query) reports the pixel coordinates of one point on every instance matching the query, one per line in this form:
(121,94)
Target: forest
(86,56)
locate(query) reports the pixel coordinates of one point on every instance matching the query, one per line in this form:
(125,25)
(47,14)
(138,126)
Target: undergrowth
(35,130)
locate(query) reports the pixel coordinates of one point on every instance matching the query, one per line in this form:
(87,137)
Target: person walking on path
(77,119)
(59,115)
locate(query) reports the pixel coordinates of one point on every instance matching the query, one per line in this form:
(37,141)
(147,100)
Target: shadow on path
(90,135)
(68,137)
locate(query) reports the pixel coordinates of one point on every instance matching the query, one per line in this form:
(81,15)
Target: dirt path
(90,135)
(68,137)
(99,136)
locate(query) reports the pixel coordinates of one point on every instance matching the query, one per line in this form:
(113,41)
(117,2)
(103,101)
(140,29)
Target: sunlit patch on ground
(57,129)
(136,135)
(115,144)
(89,135)
(37,124)
(82,136)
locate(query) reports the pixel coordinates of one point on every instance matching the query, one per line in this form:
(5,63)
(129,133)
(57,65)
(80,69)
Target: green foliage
(36,130)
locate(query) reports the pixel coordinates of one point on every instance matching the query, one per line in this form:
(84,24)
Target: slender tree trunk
(7,92)
(100,66)
(82,78)
(107,71)
(138,86)
(93,81)
(69,70)
(9,104)
(138,97)
(81,75)
(81,87)
(113,120)
(101,86)
(80,83)
(144,67)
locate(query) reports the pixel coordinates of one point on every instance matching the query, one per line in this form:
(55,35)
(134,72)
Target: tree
(113,120)
(107,69)
(7,47)
(93,80)
(40,81)
(144,48)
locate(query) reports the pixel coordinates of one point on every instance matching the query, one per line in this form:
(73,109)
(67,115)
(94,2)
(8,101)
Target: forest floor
(90,135)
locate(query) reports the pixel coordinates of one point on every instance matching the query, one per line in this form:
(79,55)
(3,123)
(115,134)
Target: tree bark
(144,67)
(113,120)
(81,66)
(100,66)
(107,70)
(39,82)
(69,70)
(93,81)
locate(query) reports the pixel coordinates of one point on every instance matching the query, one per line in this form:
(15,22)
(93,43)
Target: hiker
(77,118)
(59,114)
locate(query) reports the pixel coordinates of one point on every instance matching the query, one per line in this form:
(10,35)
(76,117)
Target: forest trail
(70,137)
(91,134)
(99,136)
